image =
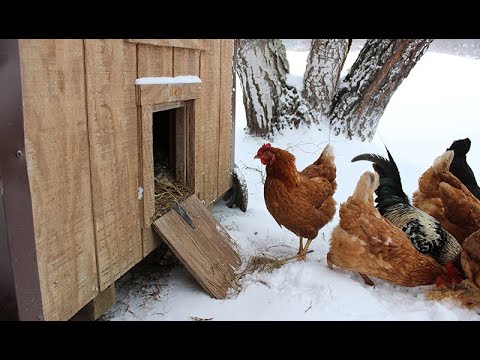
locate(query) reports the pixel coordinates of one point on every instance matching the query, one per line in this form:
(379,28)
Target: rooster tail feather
(390,191)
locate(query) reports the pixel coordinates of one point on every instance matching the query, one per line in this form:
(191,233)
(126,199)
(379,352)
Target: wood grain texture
(112,118)
(198,44)
(162,93)
(225,166)
(209,117)
(154,61)
(147,181)
(191,107)
(181,145)
(98,306)
(56,142)
(187,62)
(206,250)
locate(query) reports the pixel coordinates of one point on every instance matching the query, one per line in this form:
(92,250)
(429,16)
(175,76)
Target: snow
(184,79)
(436,104)
(295,81)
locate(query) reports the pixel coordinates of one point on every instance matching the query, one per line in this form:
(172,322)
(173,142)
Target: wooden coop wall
(82,146)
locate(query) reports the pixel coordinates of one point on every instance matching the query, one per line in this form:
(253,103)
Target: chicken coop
(86,128)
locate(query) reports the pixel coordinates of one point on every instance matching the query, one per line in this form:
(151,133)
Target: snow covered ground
(436,104)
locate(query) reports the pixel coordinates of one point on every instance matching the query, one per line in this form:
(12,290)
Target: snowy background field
(438,103)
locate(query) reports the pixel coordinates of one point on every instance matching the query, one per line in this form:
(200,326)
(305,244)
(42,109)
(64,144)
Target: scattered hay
(266,263)
(168,191)
(466,293)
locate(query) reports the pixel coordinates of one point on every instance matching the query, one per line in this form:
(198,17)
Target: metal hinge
(181,211)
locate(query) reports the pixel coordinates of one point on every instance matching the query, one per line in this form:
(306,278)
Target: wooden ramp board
(201,244)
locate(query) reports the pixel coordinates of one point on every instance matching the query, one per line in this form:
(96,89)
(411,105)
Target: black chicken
(460,168)
(424,231)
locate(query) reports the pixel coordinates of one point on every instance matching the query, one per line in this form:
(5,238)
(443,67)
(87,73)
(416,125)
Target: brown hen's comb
(264,147)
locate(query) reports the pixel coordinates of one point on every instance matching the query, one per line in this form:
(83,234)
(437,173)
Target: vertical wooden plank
(225,118)
(154,61)
(98,306)
(56,144)
(147,162)
(209,116)
(187,62)
(191,108)
(181,145)
(112,118)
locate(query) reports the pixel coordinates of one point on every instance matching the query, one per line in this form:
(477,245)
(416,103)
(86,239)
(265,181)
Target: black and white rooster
(424,231)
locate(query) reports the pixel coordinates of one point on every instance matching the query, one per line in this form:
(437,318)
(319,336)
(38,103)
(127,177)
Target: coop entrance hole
(169,158)
(164,141)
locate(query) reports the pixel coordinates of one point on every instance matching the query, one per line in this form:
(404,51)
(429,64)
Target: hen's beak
(256,157)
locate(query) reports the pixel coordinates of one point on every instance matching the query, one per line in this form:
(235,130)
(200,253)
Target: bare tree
(269,101)
(365,92)
(324,64)
(352,106)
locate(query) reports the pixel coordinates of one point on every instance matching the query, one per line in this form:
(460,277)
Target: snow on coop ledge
(188,79)
(154,90)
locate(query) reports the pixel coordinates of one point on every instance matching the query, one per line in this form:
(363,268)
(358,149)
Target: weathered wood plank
(225,165)
(56,143)
(205,251)
(181,145)
(209,117)
(198,44)
(112,118)
(162,93)
(191,148)
(187,62)
(154,61)
(147,166)
(98,306)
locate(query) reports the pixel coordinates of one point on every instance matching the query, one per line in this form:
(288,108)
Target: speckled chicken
(425,232)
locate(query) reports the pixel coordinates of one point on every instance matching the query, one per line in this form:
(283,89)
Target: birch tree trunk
(269,102)
(368,87)
(324,64)
(261,66)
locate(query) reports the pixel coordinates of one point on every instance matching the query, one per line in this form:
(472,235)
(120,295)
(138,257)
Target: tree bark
(324,65)
(261,67)
(269,102)
(368,87)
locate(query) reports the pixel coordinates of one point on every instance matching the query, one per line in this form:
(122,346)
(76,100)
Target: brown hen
(470,258)
(443,196)
(300,201)
(369,244)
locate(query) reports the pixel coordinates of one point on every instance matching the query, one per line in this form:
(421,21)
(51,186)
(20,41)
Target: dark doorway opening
(164,142)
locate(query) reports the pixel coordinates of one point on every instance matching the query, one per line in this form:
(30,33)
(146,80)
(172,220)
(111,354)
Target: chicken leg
(300,248)
(302,251)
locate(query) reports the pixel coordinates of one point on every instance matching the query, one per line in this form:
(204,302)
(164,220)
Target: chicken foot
(303,251)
